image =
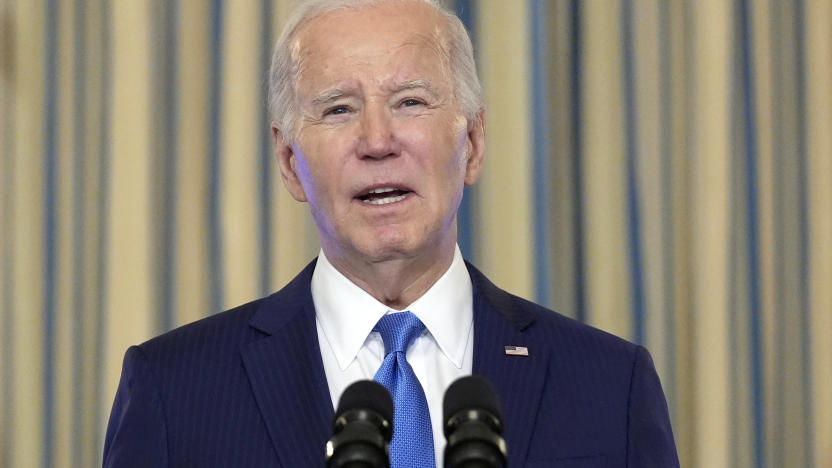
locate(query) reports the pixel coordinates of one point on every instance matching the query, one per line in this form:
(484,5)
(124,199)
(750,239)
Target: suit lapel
(289,384)
(500,322)
(287,376)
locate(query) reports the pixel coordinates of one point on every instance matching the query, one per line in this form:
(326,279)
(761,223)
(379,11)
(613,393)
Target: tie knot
(399,330)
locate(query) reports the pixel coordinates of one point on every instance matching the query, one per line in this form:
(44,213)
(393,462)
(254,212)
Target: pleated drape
(661,169)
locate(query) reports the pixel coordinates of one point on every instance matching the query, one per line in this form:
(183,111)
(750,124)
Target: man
(379,124)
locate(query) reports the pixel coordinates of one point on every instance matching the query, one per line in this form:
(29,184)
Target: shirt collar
(347,313)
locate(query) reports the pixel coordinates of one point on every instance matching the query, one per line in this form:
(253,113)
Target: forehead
(389,40)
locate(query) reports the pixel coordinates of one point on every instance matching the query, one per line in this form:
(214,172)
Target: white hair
(284,67)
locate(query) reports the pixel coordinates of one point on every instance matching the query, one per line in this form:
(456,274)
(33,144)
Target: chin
(384,251)
(389,245)
(398,241)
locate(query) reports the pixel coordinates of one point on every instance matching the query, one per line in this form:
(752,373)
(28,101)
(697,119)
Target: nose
(377,139)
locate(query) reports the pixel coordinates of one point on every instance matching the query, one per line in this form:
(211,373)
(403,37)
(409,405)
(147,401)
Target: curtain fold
(659,169)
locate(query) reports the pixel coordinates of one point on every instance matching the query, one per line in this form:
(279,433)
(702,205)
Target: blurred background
(661,169)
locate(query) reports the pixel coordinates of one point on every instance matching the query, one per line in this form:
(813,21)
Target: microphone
(473,425)
(362,428)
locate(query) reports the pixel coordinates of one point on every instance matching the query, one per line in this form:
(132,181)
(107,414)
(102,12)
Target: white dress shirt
(351,350)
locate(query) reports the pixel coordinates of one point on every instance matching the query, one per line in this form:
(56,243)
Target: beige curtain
(661,169)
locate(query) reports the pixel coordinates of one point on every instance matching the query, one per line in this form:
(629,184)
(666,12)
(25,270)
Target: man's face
(382,149)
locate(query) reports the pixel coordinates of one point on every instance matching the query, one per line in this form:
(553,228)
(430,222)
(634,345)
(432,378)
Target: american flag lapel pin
(517,351)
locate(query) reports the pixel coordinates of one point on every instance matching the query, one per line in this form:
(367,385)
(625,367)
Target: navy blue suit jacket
(246,388)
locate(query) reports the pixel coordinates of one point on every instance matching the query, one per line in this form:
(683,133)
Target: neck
(396,282)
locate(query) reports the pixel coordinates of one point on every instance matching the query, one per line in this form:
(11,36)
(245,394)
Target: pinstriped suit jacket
(246,388)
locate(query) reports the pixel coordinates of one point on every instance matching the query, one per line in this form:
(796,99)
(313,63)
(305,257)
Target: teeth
(384,201)
(383,190)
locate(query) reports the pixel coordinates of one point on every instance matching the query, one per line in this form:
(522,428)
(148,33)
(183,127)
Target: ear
(476,148)
(285,155)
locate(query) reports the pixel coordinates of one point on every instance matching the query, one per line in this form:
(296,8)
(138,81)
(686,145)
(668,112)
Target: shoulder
(601,394)
(584,344)
(550,323)
(556,332)
(226,331)
(204,338)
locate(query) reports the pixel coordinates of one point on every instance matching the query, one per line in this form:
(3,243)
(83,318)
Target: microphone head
(468,393)
(366,395)
(362,428)
(473,425)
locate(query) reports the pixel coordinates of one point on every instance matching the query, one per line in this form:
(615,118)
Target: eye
(337,110)
(410,102)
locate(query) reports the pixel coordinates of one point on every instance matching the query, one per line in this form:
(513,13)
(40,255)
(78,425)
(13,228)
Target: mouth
(383,195)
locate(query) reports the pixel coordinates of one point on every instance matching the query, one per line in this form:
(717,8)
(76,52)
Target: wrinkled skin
(378,109)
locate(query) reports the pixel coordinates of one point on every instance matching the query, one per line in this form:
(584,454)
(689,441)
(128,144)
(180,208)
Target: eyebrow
(414,84)
(328,96)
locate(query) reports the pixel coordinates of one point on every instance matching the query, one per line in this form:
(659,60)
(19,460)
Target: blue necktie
(412,444)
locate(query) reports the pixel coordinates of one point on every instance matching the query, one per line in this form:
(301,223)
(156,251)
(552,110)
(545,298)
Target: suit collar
(287,376)
(289,383)
(283,306)
(499,301)
(500,320)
